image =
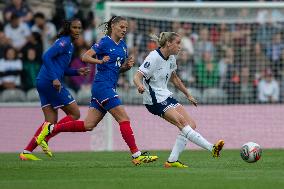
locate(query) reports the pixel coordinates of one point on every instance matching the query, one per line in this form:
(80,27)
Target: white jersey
(157,71)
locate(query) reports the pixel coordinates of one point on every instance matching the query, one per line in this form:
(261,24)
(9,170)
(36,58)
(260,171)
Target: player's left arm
(180,86)
(128,64)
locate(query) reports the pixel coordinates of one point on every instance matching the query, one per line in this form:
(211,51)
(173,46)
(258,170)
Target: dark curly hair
(66,29)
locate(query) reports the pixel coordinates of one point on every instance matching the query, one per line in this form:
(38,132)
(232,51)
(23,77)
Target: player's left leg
(50,115)
(120,115)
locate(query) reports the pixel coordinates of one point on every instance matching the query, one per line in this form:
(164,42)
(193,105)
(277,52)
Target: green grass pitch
(103,170)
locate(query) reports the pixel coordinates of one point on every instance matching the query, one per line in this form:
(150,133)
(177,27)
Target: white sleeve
(148,67)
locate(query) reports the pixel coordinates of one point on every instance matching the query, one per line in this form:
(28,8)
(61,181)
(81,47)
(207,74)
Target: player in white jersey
(151,80)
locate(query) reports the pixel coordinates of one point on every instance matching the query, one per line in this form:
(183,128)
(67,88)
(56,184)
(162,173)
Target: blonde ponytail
(164,37)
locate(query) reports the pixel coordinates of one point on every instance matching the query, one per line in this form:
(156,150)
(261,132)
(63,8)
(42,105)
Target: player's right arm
(138,82)
(88,57)
(96,49)
(146,70)
(57,48)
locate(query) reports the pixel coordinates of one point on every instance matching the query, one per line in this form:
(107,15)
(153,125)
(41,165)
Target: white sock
(27,152)
(179,146)
(136,154)
(196,138)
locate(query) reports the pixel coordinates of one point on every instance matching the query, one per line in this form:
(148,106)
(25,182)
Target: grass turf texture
(104,170)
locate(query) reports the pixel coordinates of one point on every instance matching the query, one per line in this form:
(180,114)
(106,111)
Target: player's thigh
(94,116)
(72,110)
(181,110)
(119,113)
(50,114)
(174,117)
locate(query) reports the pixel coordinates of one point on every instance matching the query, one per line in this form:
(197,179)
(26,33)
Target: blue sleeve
(100,47)
(57,48)
(71,72)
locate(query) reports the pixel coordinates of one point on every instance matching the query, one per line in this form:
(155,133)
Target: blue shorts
(160,108)
(50,96)
(104,99)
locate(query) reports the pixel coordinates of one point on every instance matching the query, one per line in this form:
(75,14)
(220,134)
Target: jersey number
(118,61)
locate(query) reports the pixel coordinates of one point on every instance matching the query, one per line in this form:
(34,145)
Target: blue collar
(159,52)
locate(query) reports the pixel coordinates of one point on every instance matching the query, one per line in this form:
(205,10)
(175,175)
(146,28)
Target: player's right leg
(217,148)
(72,113)
(175,116)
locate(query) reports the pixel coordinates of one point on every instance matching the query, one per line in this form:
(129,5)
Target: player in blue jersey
(111,59)
(158,69)
(51,89)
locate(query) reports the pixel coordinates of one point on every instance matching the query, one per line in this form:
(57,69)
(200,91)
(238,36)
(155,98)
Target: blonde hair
(164,38)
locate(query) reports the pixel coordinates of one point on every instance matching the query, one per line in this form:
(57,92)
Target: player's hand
(130,62)
(105,59)
(84,71)
(141,89)
(192,100)
(56,84)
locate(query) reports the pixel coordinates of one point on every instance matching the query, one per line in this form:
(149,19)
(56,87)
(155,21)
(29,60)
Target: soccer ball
(251,152)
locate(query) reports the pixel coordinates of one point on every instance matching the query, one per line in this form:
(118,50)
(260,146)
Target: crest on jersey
(172,66)
(146,64)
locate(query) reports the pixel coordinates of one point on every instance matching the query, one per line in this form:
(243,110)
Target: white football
(251,152)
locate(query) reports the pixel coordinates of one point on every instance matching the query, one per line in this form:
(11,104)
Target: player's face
(119,29)
(175,46)
(76,28)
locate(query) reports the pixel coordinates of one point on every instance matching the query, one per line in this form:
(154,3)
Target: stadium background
(227,65)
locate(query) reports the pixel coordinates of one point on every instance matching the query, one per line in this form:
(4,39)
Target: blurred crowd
(25,35)
(243,61)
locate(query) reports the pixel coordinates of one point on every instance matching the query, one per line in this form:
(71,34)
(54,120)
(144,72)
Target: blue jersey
(108,72)
(56,60)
